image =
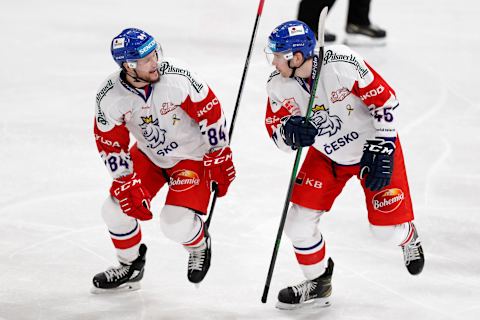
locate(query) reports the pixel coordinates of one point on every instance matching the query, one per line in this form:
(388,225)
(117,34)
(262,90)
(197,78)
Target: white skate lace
(411,251)
(303,289)
(116,272)
(195,260)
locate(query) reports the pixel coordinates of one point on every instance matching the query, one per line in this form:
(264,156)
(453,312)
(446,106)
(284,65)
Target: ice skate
(122,278)
(413,254)
(199,261)
(370,35)
(309,292)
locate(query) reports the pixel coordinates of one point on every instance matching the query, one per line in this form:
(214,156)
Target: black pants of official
(309,11)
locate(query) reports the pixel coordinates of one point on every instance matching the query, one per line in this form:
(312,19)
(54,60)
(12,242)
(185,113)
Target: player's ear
(297,59)
(126,67)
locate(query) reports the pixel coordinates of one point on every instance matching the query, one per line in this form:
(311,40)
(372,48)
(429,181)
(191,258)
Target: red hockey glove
(133,198)
(219,169)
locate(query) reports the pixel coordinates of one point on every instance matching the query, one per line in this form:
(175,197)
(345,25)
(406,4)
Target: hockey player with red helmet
(181,140)
(351,132)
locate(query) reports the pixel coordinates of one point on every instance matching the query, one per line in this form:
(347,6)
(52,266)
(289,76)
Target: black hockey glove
(377,163)
(298,132)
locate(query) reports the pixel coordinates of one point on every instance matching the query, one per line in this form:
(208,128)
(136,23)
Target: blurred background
(54,55)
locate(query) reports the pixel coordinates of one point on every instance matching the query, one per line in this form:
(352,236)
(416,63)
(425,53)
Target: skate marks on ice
(33,220)
(28,292)
(412,302)
(440,95)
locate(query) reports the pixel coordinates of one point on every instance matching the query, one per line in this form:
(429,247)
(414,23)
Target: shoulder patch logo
(331,56)
(167,107)
(292,106)
(152,132)
(103,92)
(272,75)
(100,117)
(339,95)
(166,68)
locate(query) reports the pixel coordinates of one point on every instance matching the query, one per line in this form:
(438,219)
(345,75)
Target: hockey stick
(239,96)
(316,67)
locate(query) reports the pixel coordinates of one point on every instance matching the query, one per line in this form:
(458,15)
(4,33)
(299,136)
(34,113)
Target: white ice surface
(54,54)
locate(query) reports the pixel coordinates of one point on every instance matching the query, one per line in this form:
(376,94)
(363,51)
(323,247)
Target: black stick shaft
(280,228)
(239,96)
(316,67)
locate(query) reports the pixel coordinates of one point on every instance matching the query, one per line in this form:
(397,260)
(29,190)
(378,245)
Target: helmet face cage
(291,37)
(131,45)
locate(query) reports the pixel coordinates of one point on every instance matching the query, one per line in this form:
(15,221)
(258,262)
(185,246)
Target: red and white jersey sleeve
(205,109)
(111,134)
(279,107)
(365,83)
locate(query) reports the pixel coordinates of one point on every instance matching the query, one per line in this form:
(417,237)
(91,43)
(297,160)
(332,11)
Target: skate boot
(413,253)
(199,260)
(122,278)
(316,291)
(370,35)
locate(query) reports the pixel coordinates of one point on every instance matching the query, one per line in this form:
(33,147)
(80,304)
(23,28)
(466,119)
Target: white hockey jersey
(177,118)
(352,104)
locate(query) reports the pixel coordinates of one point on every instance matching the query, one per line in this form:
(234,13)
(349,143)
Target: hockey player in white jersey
(181,139)
(351,132)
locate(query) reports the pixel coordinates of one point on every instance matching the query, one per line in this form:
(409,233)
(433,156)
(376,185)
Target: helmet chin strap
(136,78)
(294,69)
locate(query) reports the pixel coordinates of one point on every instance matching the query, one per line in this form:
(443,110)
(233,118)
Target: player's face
(147,68)
(281,64)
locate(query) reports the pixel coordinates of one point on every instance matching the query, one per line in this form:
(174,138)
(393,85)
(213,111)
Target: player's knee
(301,222)
(177,222)
(390,234)
(111,211)
(115,219)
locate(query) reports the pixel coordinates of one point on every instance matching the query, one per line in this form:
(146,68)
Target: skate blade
(364,41)
(131,286)
(314,303)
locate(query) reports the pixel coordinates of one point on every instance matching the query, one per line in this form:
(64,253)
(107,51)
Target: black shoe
(365,35)
(116,276)
(316,291)
(413,254)
(199,260)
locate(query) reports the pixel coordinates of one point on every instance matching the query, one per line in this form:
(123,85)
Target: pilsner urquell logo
(182,180)
(388,200)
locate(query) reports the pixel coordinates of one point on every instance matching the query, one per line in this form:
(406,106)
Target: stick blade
(321,27)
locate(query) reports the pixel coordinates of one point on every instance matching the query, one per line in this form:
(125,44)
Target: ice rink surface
(55,54)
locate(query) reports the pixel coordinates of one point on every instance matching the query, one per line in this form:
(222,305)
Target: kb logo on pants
(302,179)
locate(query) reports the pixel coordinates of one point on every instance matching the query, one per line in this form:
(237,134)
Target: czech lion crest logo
(152,132)
(324,122)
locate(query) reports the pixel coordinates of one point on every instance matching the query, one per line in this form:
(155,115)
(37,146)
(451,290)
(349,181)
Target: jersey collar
(126,85)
